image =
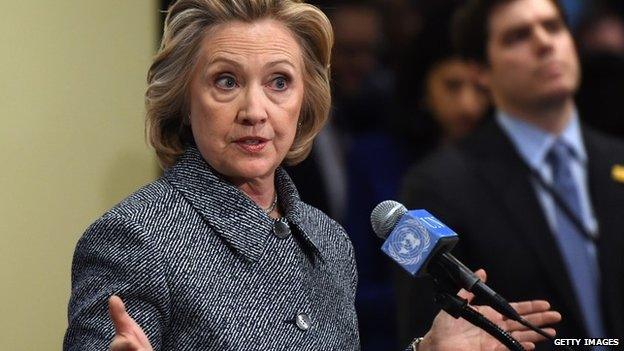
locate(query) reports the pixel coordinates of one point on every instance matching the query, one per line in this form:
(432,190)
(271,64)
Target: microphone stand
(448,284)
(457,307)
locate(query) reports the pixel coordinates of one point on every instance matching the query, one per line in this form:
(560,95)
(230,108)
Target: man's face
(532,59)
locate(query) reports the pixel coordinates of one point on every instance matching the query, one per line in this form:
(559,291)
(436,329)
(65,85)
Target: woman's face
(245,97)
(455,98)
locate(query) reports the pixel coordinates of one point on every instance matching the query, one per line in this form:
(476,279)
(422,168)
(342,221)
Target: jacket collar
(233,216)
(533,143)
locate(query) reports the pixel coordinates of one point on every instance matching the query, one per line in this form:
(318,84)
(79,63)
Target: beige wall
(72,77)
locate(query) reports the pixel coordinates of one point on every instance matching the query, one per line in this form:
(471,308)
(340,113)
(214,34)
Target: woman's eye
(226,82)
(279,84)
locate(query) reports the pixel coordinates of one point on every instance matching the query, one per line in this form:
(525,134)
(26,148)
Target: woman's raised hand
(128,334)
(450,334)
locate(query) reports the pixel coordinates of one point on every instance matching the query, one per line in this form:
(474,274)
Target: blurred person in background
(363,92)
(535,195)
(441,101)
(601,31)
(601,44)
(402,22)
(444,100)
(363,87)
(441,91)
(454,98)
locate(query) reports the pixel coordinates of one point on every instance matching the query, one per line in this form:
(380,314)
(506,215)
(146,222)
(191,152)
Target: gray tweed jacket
(199,268)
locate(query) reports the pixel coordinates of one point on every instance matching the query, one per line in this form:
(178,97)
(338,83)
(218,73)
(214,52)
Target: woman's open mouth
(252,144)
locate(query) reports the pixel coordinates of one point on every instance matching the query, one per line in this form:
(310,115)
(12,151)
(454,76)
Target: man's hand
(450,334)
(128,334)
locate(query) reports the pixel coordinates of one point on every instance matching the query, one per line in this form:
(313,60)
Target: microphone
(420,244)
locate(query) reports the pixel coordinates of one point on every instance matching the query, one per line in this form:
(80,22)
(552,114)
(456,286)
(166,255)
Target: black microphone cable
(540,332)
(448,264)
(442,268)
(458,307)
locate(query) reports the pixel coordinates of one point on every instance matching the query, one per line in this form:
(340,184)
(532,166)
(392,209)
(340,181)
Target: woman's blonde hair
(168,78)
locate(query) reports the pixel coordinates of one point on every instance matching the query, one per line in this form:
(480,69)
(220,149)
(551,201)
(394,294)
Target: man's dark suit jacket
(481,189)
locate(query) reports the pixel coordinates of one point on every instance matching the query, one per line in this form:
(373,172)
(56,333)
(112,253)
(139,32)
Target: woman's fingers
(537,319)
(128,334)
(120,343)
(527,307)
(531,336)
(535,312)
(481,274)
(490,313)
(464,294)
(126,343)
(121,319)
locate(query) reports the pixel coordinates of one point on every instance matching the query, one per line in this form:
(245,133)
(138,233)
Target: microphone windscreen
(385,216)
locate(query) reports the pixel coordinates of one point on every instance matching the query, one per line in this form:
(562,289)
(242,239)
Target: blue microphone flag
(416,238)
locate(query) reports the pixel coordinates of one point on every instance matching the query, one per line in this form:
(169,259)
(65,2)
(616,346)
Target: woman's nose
(253,109)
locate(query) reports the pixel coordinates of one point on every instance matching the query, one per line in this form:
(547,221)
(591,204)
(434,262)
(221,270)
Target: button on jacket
(199,267)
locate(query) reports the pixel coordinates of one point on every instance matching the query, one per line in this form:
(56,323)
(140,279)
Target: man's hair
(188,22)
(470,28)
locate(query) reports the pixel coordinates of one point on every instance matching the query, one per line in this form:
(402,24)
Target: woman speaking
(220,253)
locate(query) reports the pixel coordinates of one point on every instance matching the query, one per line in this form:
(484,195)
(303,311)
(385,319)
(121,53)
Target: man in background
(536,197)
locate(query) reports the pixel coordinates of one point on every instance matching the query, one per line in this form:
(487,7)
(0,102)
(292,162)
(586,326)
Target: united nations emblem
(409,242)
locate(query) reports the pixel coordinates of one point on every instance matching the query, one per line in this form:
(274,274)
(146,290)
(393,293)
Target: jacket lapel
(501,168)
(232,215)
(295,212)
